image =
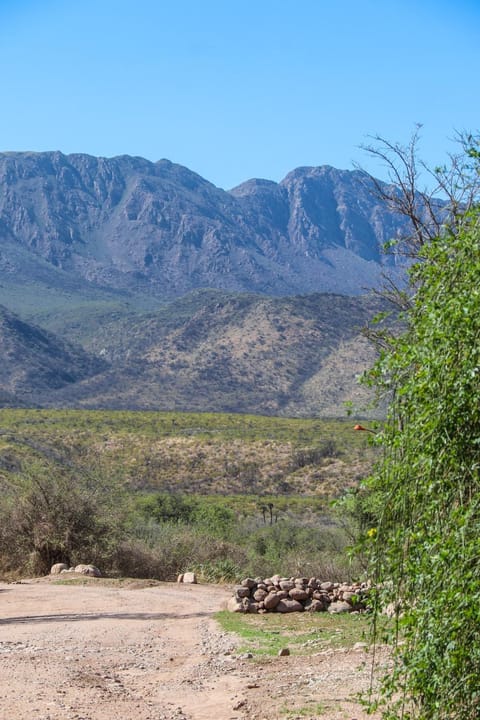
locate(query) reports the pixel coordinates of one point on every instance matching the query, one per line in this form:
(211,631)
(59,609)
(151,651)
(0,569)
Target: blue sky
(234,89)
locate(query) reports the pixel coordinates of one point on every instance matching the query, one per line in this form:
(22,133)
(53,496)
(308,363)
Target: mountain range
(127,283)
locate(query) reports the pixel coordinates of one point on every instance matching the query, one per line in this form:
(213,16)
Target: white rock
(339,607)
(190,578)
(90,570)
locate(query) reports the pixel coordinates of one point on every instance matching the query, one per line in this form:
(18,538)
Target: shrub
(46,516)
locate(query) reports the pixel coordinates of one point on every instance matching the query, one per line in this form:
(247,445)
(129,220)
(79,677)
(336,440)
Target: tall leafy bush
(425,547)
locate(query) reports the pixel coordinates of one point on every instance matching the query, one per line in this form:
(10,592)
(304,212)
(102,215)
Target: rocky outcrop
(285,595)
(129,224)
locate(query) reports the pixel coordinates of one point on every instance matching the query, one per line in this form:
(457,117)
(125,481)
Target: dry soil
(140,652)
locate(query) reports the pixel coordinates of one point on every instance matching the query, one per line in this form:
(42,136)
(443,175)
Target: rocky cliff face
(130,224)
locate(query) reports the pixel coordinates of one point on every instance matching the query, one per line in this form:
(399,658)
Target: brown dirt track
(142,651)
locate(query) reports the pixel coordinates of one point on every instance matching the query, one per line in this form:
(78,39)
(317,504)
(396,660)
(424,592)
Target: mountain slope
(131,226)
(214,351)
(36,362)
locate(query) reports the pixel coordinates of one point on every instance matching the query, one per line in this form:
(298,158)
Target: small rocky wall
(280,594)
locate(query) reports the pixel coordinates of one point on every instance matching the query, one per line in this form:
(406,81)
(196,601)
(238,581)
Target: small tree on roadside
(48,516)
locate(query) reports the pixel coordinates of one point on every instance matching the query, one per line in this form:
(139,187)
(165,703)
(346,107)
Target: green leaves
(425,553)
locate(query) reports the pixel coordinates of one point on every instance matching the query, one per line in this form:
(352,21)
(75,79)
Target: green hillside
(190,452)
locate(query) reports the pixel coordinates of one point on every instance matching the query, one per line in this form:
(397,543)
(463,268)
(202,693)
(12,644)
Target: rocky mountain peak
(126,222)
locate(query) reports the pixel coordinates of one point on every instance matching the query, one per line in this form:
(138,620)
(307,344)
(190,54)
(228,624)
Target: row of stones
(90,570)
(280,594)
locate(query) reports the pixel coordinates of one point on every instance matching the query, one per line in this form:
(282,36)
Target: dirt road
(94,652)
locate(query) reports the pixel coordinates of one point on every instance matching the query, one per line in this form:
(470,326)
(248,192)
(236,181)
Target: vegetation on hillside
(221,352)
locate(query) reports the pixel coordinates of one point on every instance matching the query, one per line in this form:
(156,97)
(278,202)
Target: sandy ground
(93,652)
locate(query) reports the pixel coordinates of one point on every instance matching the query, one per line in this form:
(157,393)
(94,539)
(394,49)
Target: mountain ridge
(128,224)
(142,285)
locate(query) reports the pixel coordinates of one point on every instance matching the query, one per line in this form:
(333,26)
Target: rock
(189,578)
(328,586)
(242,592)
(289,605)
(89,570)
(392,609)
(283,652)
(339,606)
(239,704)
(271,601)
(180,578)
(298,594)
(233,605)
(314,606)
(58,568)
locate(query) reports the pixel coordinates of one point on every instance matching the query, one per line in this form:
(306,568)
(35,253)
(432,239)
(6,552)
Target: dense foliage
(425,546)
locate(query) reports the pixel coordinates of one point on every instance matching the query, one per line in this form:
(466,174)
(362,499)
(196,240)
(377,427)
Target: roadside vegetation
(155,494)
(422,503)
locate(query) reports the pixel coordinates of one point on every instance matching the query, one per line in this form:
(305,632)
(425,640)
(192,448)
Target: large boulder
(189,578)
(314,606)
(298,594)
(235,605)
(271,601)
(89,570)
(58,568)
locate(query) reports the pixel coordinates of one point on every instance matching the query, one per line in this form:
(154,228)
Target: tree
(424,550)
(454,188)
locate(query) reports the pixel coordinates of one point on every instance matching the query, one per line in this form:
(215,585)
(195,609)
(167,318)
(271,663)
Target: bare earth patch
(138,651)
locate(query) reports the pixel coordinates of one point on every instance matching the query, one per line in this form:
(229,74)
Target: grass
(309,710)
(273,478)
(302,633)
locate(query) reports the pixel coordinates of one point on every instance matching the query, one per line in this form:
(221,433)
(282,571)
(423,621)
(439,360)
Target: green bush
(164,551)
(215,520)
(166,507)
(424,548)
